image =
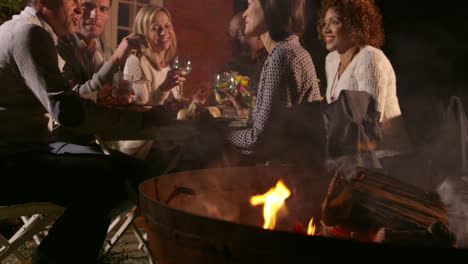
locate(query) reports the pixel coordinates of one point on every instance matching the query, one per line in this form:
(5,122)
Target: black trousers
(89,186)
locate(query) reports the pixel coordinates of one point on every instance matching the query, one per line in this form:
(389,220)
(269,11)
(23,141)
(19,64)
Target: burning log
(437,235)
(361,207)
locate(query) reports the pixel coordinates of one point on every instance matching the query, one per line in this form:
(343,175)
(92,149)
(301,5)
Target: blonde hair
(143,20)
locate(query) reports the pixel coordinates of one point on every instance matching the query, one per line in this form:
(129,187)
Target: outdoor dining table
(176,130)
(177,133)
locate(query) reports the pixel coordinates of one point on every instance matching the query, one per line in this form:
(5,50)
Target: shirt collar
(30,14)
(81,43)
(292,39)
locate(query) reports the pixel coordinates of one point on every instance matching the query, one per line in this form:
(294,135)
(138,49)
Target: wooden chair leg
(128,223)
(118,234)
(33,225)
(35,237)
(143,244)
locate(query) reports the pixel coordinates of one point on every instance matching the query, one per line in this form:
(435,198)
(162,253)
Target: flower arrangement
(237,84)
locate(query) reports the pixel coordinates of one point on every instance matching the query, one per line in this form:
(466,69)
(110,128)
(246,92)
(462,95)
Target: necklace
(334,84)
(337,76)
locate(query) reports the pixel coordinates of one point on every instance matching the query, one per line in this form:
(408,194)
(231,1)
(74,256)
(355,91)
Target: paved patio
(126,250)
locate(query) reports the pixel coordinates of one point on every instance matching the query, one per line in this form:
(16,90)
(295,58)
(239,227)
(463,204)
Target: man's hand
(105,96)
(129,43)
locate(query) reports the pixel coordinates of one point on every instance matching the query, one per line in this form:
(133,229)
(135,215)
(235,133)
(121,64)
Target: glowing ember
(298,227)
(272,201)
(311,227)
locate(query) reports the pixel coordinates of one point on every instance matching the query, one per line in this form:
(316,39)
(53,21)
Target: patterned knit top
(372,72)
(288,78)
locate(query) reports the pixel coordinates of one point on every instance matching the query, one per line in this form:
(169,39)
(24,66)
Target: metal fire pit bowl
(205,217)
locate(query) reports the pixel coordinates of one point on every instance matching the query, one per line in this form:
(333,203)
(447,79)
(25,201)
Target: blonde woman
(155,82)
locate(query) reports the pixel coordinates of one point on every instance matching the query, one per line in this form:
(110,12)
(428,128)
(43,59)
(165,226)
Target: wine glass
(188,66)
(175,63)
(185,64)
(223,81)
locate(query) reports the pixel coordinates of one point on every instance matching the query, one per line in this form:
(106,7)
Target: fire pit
(205,216)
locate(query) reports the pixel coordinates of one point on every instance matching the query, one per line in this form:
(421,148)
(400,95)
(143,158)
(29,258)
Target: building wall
(201,27)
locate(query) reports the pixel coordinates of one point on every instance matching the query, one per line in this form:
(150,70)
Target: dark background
(427,44)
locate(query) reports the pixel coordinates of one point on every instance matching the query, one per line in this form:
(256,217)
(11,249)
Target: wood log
(437,235)
(373,200)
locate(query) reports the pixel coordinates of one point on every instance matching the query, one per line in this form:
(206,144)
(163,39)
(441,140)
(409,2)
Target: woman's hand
(238,102)
(173,79)
(202,93)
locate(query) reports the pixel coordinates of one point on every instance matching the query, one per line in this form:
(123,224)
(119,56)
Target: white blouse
(372,72)
(149,92)
(145,93)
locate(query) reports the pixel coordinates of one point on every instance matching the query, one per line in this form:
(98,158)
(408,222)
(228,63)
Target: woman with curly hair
(352,32)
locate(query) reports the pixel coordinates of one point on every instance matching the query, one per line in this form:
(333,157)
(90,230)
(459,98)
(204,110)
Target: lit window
(127,11)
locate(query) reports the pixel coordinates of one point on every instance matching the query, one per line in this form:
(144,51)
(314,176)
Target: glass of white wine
(185,64)
(223,81)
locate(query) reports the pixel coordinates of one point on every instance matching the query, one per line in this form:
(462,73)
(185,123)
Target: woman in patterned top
(288,76)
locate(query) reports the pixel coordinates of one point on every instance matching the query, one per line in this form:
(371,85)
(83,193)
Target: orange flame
(273,200)
(367,146)
(311,227)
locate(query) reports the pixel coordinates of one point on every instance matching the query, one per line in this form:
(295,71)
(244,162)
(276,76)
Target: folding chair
(125,220)
(121,224)
(36,218)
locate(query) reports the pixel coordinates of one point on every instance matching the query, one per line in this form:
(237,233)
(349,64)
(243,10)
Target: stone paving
(126,251)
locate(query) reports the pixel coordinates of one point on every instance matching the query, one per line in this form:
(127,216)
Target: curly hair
(360,18)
